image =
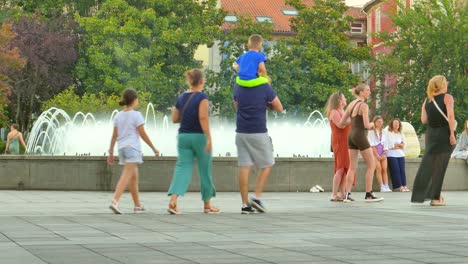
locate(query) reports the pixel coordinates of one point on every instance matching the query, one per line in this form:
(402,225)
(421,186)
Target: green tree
(10,63)
(95,103)
(306,69)
(144,44)
(11,9)
(431,40)
(231,45)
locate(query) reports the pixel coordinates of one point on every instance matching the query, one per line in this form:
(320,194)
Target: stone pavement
(77,227)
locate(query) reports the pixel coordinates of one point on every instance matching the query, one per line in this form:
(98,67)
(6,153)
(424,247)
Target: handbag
(443,114)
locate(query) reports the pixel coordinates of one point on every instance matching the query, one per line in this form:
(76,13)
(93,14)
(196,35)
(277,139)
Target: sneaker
(348,198)
(247,210)
(115,208)
(139,210)
(257,204)
(319,188)
(385,188)
(370,198)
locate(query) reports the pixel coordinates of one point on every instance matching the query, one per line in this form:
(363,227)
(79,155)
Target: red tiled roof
(356,13)
(273,9)
(267,8)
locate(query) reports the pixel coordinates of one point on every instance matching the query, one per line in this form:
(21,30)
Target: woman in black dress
(437,112)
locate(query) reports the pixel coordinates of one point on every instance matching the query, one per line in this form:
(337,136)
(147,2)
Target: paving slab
(77,227)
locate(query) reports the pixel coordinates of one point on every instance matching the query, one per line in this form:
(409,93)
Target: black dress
(430,176)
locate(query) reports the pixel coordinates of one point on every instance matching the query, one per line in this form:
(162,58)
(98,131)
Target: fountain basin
(91,173)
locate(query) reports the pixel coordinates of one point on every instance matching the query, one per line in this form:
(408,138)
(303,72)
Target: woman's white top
(374,140)
(392,139)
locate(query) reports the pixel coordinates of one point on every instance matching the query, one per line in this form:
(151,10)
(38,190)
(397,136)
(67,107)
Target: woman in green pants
(193,141)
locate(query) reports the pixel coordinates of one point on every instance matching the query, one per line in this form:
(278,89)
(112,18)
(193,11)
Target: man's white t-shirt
(127,133)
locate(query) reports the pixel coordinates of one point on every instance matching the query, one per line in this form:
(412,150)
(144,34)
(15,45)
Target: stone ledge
(91,173)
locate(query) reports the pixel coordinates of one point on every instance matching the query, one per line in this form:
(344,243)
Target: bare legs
(338,178)
(262,178)
(368,157)
(353,161)
(381,174)
(128,178)
(378,171)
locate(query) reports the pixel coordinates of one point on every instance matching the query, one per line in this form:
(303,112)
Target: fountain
(56,133)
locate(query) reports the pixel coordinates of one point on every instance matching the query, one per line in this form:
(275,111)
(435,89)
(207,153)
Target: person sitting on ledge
(461,150)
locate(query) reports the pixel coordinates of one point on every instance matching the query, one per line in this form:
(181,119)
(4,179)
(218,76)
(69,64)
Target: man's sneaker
(115,208)
(257,204)
(370,198)
(247,210)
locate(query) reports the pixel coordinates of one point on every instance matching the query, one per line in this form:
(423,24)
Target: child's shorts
(130,155)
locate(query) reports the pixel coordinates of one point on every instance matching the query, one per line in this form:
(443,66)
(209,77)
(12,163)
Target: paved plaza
(77,227)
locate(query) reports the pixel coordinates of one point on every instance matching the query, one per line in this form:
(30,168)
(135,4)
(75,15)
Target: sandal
(336,199)
(139,210)
(173,209)
(211,210)
(440,202)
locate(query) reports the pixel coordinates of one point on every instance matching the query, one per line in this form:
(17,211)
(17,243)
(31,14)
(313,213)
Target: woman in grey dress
(437,112)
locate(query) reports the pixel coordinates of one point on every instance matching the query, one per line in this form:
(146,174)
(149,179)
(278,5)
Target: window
(290,12)
(230,18)
(377,20)
(263,19)
(356,28)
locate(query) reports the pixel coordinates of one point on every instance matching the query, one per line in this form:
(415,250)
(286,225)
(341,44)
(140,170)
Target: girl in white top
(396,155)
(378,141)
(128,128)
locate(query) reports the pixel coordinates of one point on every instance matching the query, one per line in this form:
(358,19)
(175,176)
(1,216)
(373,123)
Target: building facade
(378,15)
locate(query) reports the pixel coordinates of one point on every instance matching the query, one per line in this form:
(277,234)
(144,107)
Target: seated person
(461,150)
(251,65)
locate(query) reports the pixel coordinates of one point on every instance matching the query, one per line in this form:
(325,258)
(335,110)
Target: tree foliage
(10,63)
(96,103)
(144,44)
(315,63)
(232,44)
(305,68)
(431,40)
(12,9)
(49,48)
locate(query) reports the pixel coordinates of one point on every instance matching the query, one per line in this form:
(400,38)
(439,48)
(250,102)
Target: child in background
(251,65)
(128,128)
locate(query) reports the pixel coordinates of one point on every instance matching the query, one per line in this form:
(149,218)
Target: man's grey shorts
(130,155)
(255,149)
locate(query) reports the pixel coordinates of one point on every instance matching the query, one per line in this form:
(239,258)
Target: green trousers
(189,147)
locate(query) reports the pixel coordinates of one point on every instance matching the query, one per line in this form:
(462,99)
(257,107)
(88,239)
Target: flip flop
(173,209)
(337,199)
(440,202)
(211,210)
